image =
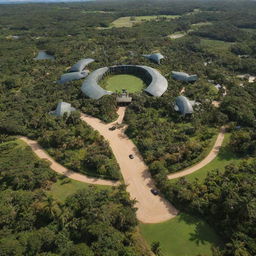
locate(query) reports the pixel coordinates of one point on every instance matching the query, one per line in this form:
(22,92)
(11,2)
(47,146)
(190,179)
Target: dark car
(154,192)
(112,128)
(131,156)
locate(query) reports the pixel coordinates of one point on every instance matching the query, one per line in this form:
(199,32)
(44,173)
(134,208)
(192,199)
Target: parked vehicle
(112,128)
(154,192)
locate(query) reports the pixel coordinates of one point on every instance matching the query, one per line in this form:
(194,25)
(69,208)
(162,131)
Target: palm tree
(50,206)
(156,249)
(64,214)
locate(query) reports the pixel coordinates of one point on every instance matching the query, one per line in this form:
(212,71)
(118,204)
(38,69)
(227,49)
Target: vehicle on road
(154,192)
(112,128)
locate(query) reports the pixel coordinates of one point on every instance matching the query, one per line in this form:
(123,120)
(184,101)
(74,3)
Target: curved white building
(156,83)
(181,76)
(68,77)
(80,65)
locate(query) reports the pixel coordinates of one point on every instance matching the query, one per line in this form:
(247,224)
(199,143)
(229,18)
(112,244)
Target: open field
(182,236)
(215,45)
(130,21)
(119,82)
(65,187)
(200,24)
(177,35)
(194,26)
(91,11)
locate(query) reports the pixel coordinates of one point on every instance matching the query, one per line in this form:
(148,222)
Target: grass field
(215,45)
(65,187)
(119,82)
(177,35)
(200,24)
(182,236)
(130,21)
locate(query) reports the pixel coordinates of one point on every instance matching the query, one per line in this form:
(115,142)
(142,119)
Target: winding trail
(213,153)
(40,152)
(151,208)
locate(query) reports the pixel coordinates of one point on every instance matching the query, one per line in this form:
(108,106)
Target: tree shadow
(187,219)
(226,153)
(202,233)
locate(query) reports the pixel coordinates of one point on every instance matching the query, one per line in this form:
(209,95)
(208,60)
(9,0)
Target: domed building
(184,105)
(155,57)
(62,108)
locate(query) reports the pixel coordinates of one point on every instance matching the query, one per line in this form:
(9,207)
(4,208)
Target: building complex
(156,83)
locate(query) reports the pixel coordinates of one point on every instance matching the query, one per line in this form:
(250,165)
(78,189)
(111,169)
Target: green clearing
(224,158)
(130,21)
(195,26)
(177,35)
(200,24)
(119,82)
(215,45)
(182,236)
(65,187)
(91,11)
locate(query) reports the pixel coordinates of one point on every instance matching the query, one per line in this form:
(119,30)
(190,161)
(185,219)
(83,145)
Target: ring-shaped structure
(156,83)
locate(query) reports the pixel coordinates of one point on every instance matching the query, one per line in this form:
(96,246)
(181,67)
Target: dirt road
(151,208)
(63,170)
(213,153)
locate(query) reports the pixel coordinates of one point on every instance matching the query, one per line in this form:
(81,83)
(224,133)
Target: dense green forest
(219,44)
(89,222)
(226,200)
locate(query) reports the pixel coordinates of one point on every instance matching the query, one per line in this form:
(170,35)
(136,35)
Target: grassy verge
(215,45)
(65,187)
(182,236)
(224,158)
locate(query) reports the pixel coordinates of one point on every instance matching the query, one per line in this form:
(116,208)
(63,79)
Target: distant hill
(39,1)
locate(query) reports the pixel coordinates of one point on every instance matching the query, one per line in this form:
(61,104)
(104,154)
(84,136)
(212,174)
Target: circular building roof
(156,83)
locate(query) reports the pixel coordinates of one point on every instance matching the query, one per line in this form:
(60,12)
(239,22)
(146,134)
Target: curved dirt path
(151,209)
(213,153)
(40,152)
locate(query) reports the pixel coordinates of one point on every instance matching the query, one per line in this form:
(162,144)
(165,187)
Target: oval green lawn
(118,82)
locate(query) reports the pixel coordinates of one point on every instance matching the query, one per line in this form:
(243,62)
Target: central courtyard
(118,82)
